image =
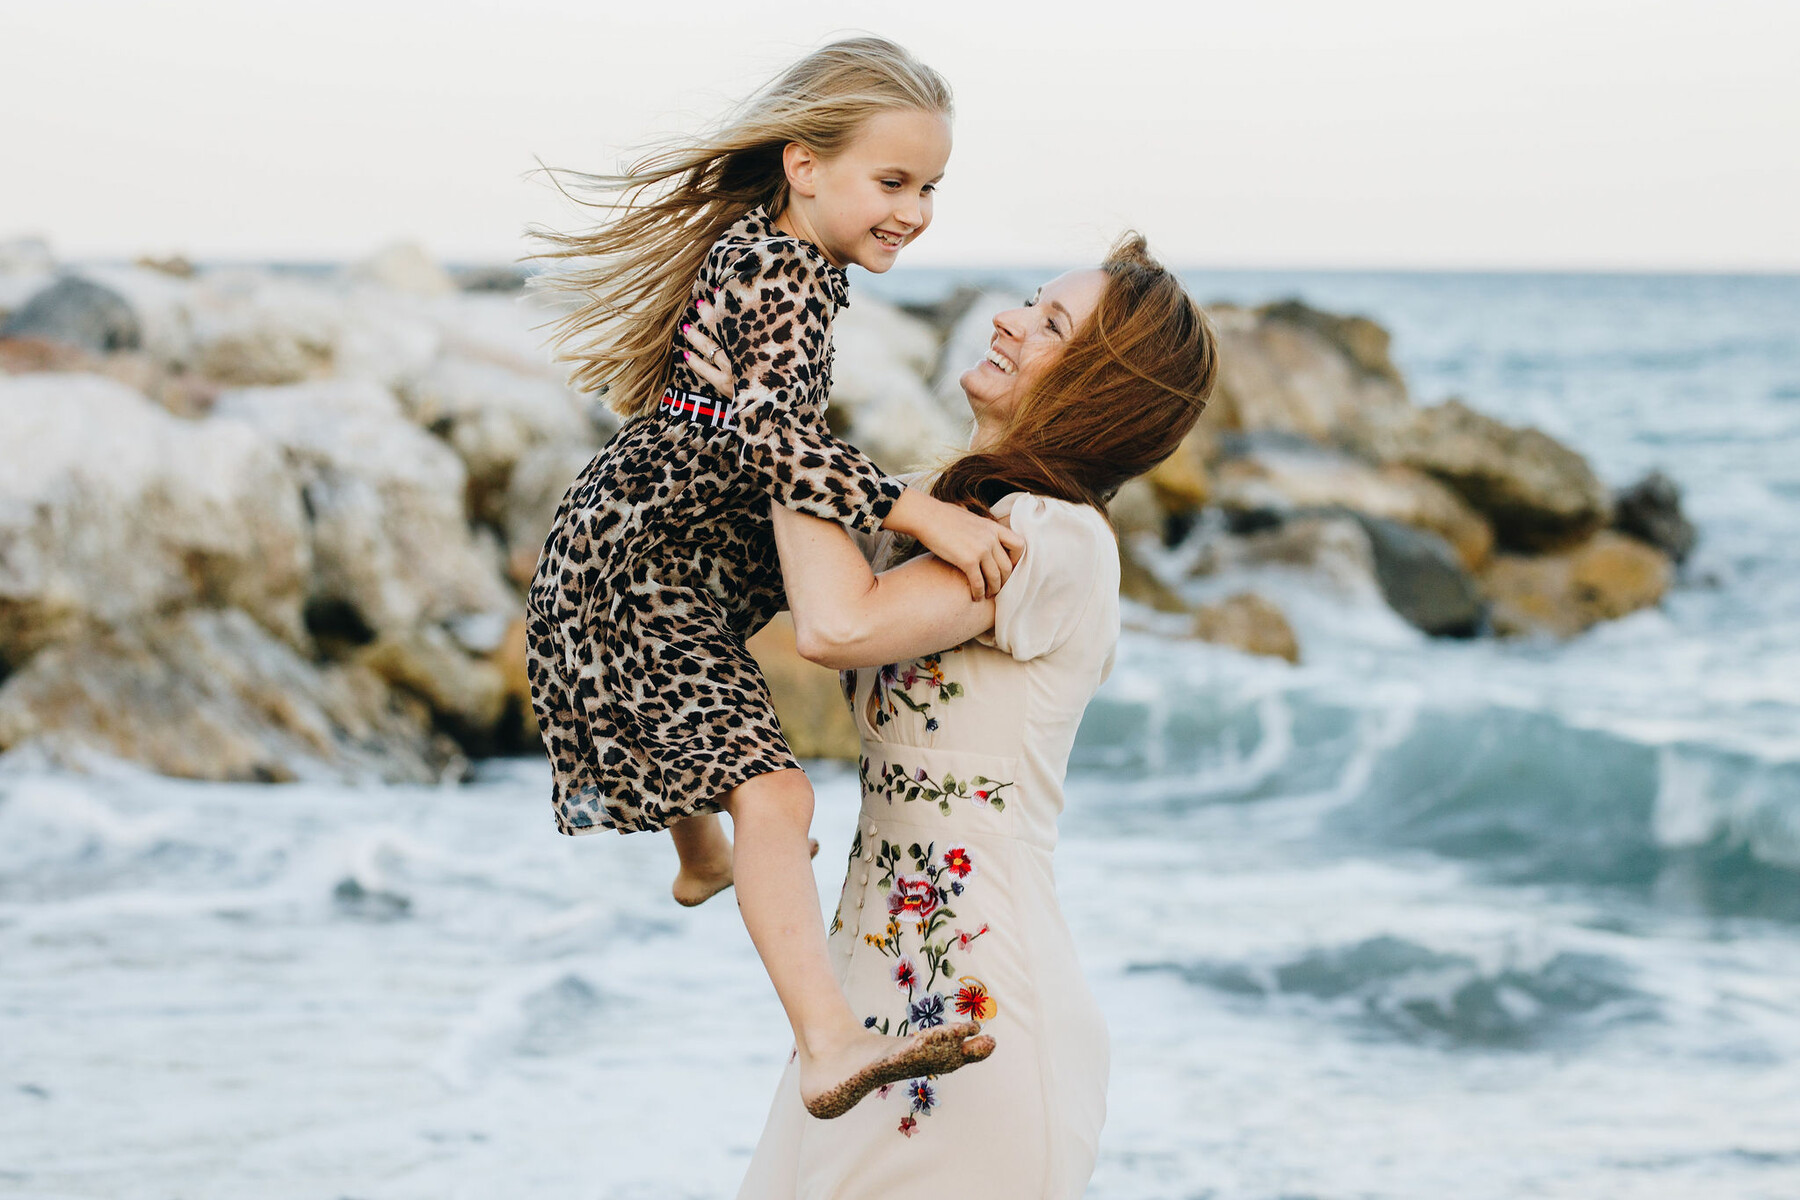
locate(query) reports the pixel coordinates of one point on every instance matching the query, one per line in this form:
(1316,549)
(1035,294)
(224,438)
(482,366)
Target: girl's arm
(845,615)
(765,355)
(771,315)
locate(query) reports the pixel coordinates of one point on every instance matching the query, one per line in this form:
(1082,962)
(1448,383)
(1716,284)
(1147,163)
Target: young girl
(662,559)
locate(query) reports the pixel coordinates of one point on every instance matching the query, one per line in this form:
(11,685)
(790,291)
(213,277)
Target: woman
(948,912)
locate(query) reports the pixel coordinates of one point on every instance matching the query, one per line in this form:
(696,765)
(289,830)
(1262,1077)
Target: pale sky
(1602,134)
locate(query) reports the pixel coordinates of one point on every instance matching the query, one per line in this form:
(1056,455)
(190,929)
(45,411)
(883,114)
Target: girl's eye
(891,183)
(930,187)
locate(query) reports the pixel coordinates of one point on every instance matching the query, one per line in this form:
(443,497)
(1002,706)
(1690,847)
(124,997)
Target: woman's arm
(845,615)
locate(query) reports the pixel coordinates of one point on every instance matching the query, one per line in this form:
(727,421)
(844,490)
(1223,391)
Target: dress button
(865,878)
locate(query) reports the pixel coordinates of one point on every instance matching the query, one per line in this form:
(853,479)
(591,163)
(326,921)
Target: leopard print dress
(661,561)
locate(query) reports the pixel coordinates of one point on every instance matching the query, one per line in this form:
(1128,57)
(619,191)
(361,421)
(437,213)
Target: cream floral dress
(949,911)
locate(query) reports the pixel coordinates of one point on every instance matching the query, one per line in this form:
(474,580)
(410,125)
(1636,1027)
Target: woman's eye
(890,183)
(930,187)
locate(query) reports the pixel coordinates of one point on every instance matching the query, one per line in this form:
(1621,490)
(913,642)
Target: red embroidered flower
(916,897)
(908,1123)
(959,862)
(982,795)
(905,974)
(972,1000)
(963,939)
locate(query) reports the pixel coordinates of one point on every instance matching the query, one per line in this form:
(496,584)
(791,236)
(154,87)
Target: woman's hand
(981,548)
(707,358)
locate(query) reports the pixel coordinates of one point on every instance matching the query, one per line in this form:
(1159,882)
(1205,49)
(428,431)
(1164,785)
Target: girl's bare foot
(699,882)
(831,1083)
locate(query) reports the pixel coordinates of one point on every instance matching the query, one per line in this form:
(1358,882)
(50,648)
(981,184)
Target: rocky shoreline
(262,526)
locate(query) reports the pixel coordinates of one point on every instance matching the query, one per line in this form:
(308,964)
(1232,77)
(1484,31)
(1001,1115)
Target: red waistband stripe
(697,407)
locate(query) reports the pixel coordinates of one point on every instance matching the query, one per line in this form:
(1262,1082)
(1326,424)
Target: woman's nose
(1008,322)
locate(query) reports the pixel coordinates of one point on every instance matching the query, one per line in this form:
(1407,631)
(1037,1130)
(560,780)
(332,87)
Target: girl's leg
(705,854)
(840,1061)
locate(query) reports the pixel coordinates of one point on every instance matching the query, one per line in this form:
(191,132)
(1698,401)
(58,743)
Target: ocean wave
(1405,989)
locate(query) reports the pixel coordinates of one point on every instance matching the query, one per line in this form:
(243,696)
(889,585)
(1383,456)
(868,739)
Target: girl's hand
(981,548)
(707,358)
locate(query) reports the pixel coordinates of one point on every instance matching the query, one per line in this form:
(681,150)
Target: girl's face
(1027,340)
(875,197)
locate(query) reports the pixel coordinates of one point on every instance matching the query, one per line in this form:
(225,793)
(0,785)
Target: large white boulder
(491,416)
(209,694)
(882,358)
(112,510)
(386,499)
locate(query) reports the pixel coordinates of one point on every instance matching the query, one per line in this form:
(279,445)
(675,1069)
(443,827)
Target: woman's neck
(987,436)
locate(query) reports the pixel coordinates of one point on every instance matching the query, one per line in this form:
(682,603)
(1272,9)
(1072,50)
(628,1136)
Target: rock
(492,416)
(390,537)
(1277,473)
(1334,547)
(1276,374)
(209,694)
(25,254)
(112,511)
(814,716)
(1247,622)
(1564,593)
(1180,480)
(538,483)
(1423,580)
(175,264)
(878,397)
(466,695)
(1359,339)
(79,312)
(1140,524)
(518,722)
(252,330)
(491,279)
(1650,510)
(1537,493)
(404,267)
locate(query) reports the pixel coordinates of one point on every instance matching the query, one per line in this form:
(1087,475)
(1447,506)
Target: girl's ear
(801,165)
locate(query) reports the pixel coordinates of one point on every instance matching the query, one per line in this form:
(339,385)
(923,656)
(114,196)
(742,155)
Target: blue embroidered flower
(927,1012)
(923,1098)
(931,724)
(868,1022)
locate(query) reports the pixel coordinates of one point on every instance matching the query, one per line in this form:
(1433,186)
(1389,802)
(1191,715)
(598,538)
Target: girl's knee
(789,793)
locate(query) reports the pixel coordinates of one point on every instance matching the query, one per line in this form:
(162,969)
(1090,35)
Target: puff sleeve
(774,323)
(1071,562)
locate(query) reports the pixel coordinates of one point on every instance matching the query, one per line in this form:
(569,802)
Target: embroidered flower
(957,859)
(868,1023)
(908,1123)
(982,795)
(923,1098)
(881,1093)
(931,724)
(919,776)
(906,976)
(913,896)
(927,1013)
(963,939)
(972,999)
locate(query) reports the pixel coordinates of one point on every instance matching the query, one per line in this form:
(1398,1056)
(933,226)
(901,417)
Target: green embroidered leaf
(998,803)
(944,807)
(949,782)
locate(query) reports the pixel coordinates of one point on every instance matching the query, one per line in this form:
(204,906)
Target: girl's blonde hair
(671,205)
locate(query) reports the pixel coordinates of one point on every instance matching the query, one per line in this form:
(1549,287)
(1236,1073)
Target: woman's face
(1027,340)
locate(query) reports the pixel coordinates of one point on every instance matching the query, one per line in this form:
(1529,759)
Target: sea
(1412,920)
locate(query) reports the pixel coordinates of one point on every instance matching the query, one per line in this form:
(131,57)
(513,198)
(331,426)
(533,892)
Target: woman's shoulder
(1062,520)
